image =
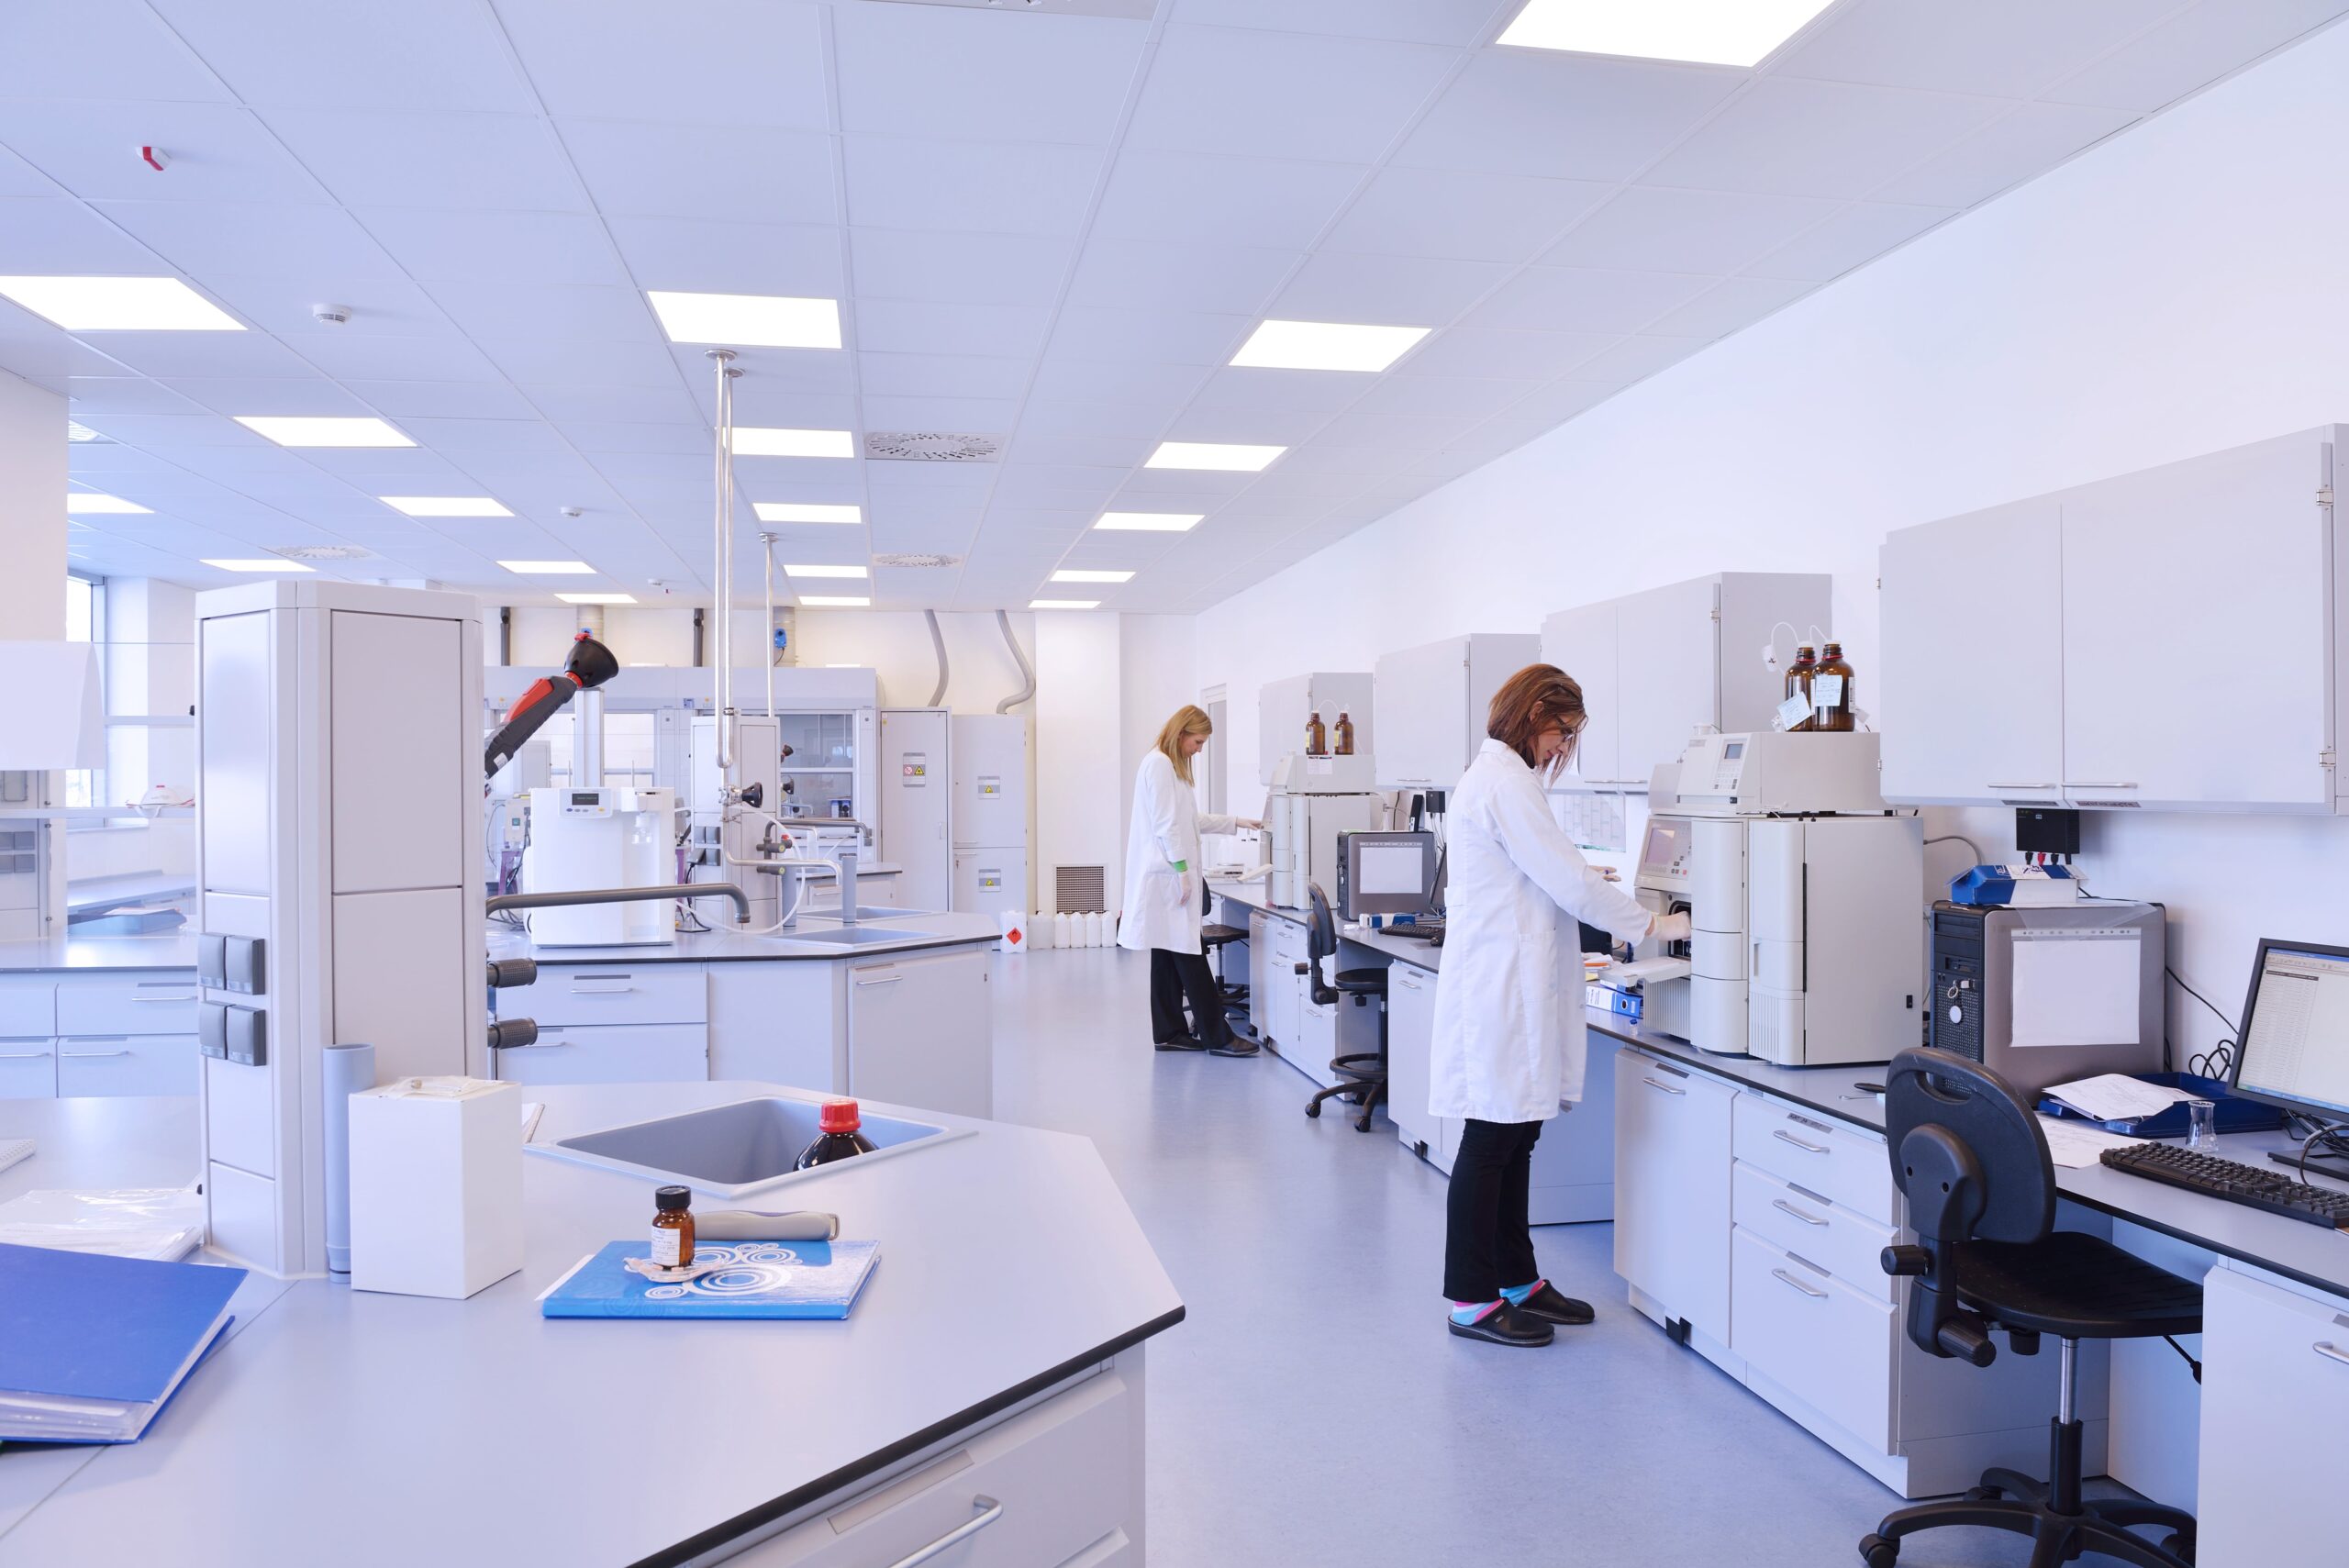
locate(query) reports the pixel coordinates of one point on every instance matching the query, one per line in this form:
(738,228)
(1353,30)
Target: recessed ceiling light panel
(119,305)
(596,598)
(805,570)
(1151,522)
(1081,576)
(1064,603)
(1326,346)
(836,601)
(805,512)
(314,431)
(91,503)
(265,563)
(1701,32)
(548,568)
(446,506)
(748,321)
(1220,456)
(766,441)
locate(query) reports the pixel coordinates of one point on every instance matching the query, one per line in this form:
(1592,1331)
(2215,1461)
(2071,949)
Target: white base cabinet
(1672,1189)
(920,1031)
(95,1033)
(2275,1370)
(1410,1033)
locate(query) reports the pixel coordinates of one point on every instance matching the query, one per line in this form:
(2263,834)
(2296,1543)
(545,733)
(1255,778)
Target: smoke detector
(915,557)
(930,446)
(319,551)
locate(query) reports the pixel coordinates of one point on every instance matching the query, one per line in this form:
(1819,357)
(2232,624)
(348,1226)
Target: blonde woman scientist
(1162,892)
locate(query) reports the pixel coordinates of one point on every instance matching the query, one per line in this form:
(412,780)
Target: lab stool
(1213,939)
(1364,1072)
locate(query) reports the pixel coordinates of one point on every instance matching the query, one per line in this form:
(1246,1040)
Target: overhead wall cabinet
(1656,666)
(2162,641)
(1284,708)
(1434,702)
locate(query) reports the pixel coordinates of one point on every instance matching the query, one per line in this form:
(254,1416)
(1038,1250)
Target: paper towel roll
(349,1070)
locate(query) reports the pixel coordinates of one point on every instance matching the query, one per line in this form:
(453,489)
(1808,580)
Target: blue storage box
(2235,1115)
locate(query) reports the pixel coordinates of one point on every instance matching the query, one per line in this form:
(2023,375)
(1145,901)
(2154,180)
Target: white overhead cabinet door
(1581,641)
(1972,691)
(2196,643)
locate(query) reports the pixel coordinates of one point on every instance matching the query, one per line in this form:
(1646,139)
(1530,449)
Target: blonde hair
(1189,719)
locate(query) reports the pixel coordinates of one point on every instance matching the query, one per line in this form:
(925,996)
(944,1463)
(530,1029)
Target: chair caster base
(1878,1551)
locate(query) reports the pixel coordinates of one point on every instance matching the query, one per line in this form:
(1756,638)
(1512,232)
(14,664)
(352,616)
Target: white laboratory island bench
(904,1014)
(990,1381)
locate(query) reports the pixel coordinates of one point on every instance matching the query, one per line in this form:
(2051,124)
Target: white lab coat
(1508,1036)
(1166,828)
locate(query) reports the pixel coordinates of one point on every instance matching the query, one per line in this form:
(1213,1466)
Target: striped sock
(1467,1312)
(1515,1294)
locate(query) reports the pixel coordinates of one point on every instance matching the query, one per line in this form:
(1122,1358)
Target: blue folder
(758,1279)
(89,1327)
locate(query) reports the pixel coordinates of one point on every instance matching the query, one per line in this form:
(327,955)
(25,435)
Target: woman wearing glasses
(1509,1035)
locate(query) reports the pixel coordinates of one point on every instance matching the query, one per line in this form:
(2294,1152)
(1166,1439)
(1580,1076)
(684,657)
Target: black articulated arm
(589,665)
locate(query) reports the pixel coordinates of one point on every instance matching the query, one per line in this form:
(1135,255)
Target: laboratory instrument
(1802,885)
(587,838)
(2251,1185)
(586,667)
(1313,801)
(2043,995)
(1383,873)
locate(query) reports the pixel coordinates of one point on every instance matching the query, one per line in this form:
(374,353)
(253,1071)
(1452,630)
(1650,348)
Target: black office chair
(1970,1157)
(1361,1074)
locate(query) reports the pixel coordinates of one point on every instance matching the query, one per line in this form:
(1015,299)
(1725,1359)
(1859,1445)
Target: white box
(436,1186)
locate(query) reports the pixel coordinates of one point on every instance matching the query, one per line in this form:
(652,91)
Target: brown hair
(1537,699)
(1188,720)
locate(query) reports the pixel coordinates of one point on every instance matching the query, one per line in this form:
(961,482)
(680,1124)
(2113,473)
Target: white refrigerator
(990,816)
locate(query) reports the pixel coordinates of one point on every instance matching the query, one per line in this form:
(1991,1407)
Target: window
(85,621)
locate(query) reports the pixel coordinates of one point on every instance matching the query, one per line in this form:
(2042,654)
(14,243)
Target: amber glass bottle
(1345,736)
(1799,682)
(1317,737)
(1831,691)
(672,1227)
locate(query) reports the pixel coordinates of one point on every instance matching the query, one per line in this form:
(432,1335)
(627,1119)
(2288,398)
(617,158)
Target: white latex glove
(1672,929)
(1610,874)
(1190,891)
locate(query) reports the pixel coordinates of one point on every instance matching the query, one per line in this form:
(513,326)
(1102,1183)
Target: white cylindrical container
(1014,930)
(348,1069)
(1093,929)
(1065,931)
(1039,931)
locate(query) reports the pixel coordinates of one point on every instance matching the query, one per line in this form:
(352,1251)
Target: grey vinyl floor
(1312,1410)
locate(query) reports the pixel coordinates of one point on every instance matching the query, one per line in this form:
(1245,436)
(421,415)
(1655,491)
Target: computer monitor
(1386,874)
(2293,1048)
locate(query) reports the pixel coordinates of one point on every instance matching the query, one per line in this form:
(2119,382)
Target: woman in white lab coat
(1509,1035)
(1162,892)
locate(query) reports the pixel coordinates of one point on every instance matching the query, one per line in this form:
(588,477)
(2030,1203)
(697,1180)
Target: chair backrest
(1321,942)
(1944,1115)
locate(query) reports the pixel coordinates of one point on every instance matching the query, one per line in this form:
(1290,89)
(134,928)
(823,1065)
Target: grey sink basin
(875,912)
(734,1150)
(855,936)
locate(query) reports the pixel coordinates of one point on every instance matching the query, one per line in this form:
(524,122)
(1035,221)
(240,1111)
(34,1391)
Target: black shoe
(1234,1046)
(1551,1306)
(1182,1042)
(1505,1325)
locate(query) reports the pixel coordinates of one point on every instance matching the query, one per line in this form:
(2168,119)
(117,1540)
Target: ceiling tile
(989,186)
(1462,214)
(1729,305)
(215,152)
(1207,199)
(959,269)
(319,244)
(1062,379)
(2019,146)
(1401,291)
(1563,116)
(518,308)
(202,353)
(1516,355)
(1577,299)
(1457,22)
(19,178)
(669,405)
(58,234)
(1648,229)
(287,307)
(942,375)
(594,436)
(505,162)
(894,327)
(580,364)
(455,437)
(437,244)
(974,416)
(701,255)
(2004,48)
(1275,94)
(1861,232)
(124,394)
(1174,337)
(774,381)
(1245,389)
(1144,274)
(664,170)
(1035,444)
(171,433)
(1821,139)
(918,70)
(441,399)
(398,359)
(291,53)
(735,63)
(270,395)
(99,49)
(1253,427)
(1635,357)
(1100,418)
(1394,431)
(2173,60)
(1449,397)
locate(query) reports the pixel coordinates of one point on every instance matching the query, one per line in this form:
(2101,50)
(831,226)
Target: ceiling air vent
(319,551)
(915,557)
(1140,10)
(930,446)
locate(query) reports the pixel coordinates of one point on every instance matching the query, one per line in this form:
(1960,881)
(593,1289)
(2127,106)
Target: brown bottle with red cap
(837,1137)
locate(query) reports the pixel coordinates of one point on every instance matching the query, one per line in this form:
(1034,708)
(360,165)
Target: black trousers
(1173,977)
(1488,1238)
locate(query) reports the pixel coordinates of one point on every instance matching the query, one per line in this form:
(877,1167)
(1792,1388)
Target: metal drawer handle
(881,980)
(23,1056)
(86,1055)
(584,985)
(1783,1136)
(2083,783)
(2331,1351)
(1779,1203)
(989,1510)
(2019,786)
(1665,1087)
(176,996)
(1815,1295)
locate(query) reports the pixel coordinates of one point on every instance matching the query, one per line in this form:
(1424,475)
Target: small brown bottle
(672,1227)
(1345,736)
(1831,691)
(1798,675)
(1317,737)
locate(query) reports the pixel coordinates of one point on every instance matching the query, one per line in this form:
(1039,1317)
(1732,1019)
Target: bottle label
(664,1246)
(1826,692)
(1793,711)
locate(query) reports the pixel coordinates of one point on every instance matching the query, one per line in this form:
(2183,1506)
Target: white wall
(2178,291)
(1157,673)
(1083,773)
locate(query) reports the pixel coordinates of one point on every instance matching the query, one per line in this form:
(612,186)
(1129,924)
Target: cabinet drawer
(620,994)
(126,1064)
(2273,1361)
(1053,1481)
(27,1009)
(610,1053)
(27,1069)
(1802,1147)
(128,1006)
(1826,1343)
(1796,1219)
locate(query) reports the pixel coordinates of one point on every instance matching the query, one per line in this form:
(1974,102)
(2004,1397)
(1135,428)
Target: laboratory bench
(990,1376)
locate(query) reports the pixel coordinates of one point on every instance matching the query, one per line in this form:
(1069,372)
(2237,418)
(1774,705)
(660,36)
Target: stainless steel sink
(734,1150)
(874,912)
(855,936)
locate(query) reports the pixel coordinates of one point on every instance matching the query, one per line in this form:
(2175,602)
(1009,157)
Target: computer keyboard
(2248,1184)
(1418,930)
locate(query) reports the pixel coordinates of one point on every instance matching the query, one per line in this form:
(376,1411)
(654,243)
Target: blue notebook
(91,1346)
(757,1279)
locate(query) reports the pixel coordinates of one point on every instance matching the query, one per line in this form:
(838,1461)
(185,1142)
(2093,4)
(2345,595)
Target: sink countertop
(725,946)
(174,949)
(1008,1262)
